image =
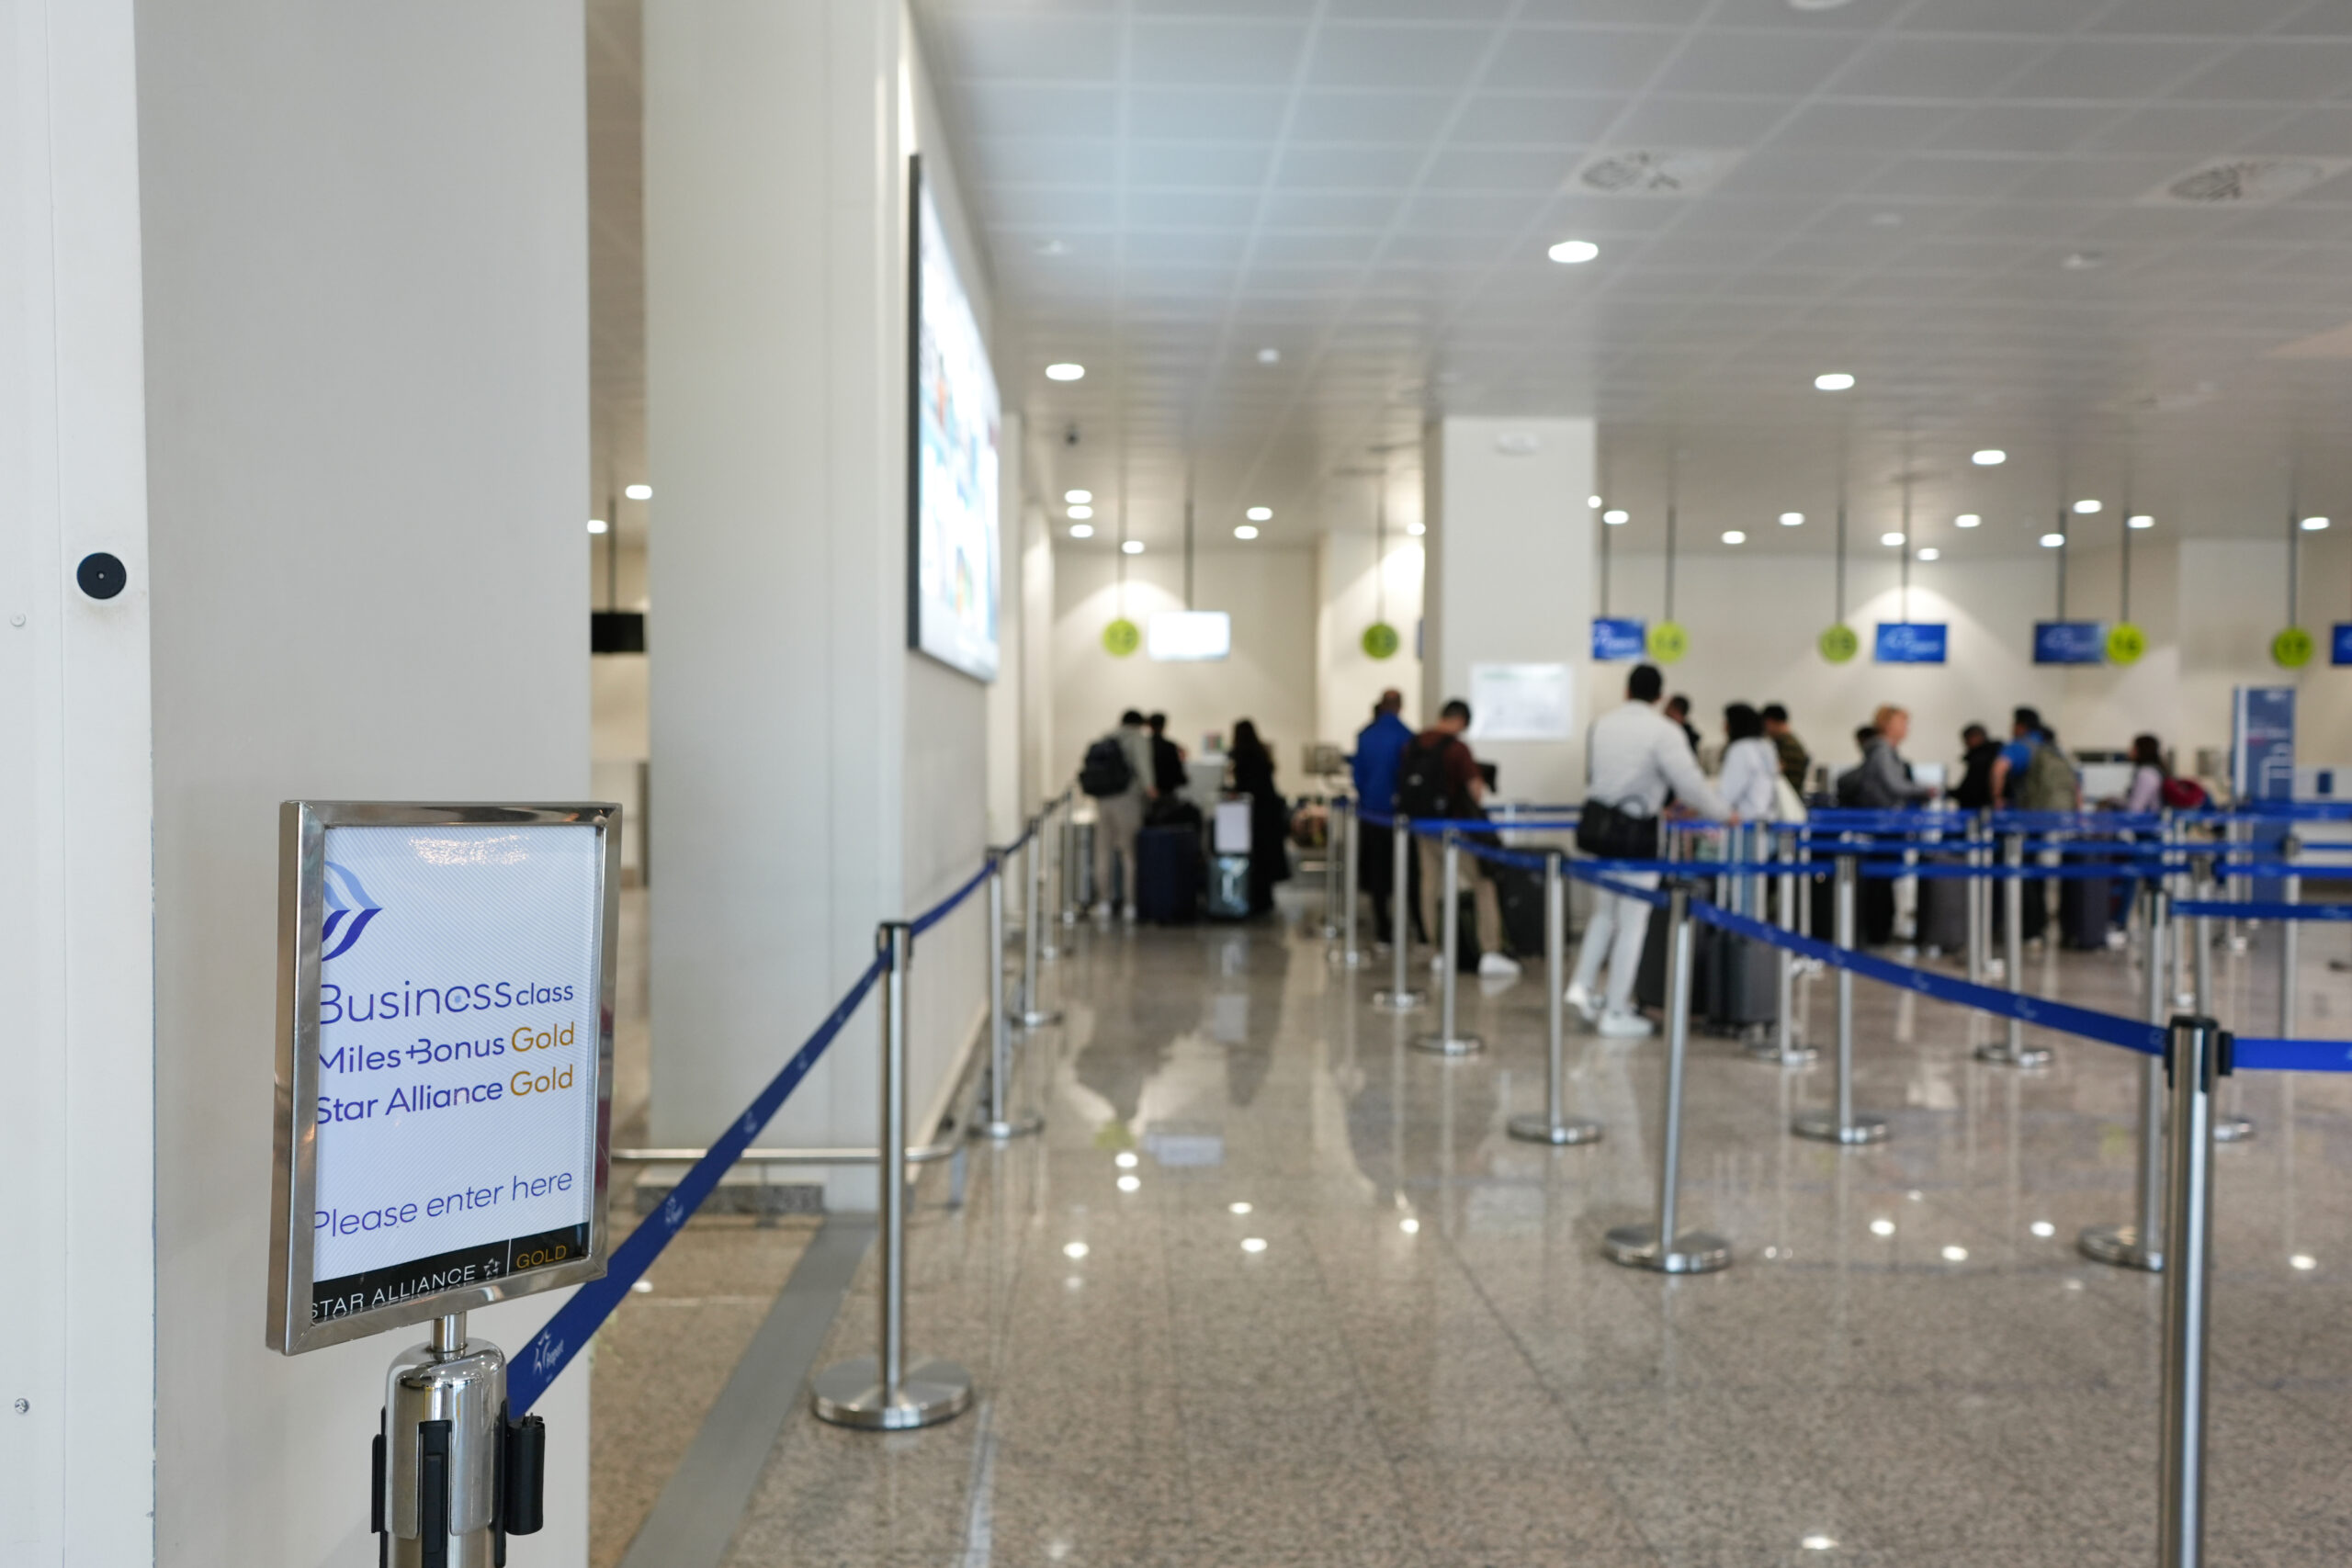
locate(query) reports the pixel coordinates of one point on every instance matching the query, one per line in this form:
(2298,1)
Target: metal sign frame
(302,903)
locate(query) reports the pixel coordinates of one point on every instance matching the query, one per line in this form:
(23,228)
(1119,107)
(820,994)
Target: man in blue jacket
(1378,745)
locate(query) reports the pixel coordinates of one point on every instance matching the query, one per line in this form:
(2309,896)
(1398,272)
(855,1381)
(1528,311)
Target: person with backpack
(1379,747)
(2153,785)
(1437,778)
(2034,774)
(1117,773)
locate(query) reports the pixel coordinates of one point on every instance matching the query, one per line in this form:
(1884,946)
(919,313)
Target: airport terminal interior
(1468,783)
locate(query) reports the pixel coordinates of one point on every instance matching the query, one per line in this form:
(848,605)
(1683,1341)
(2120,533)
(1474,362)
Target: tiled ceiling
(1281,234)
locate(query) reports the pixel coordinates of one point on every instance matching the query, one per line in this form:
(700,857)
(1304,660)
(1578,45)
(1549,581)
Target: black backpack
(1106,770)
(1421,780)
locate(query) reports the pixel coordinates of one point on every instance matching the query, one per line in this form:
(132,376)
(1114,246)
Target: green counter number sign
(1838,644)
(1381,641)
(2125,643)
(1122,638)
(1668,642)
(2292,648)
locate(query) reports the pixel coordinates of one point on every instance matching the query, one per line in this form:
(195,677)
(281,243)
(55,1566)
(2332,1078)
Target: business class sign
(443,1060)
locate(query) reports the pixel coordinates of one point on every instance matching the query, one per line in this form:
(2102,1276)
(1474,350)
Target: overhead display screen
(952,613)
(449,1065)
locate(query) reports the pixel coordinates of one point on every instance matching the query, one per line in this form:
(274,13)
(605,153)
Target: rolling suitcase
(1737,983)
(2085,911)
(1167,876)
(1520,892)
(1649,978)
(1943,919)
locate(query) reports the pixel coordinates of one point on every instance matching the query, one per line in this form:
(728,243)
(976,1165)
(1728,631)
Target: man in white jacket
(1634,757)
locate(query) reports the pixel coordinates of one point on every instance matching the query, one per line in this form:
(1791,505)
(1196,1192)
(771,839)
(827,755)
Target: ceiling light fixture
(1890,539)
(1254,1244)
(1078,497)
(1081,513)
(1593,502)
(1930,553)
(1245,531)
(597,525)
(1269,356)
(2141,521)
(1133,547)
(1955,1255)
(2304,1261)
(1081,530)
(638,492)
(1572,252)
(1791,519)
(1242,1208)
(1816,1541)
(1967,520)
(1065,371)
(1124,1160)
(2083,261)
(2052,541)
(1259,514)
(1417,529)
(2043,1229)
(1130,1183)
(1733,537)
(2086,507)
(1832,381)
(1989,457)
(1073,1249)
(1410,1227)
(1881,1227)
(2314,524)
(1616,515)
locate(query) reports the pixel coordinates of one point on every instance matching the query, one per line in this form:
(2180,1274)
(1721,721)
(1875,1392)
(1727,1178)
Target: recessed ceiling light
(1955,1255)
(1073,1249)
(2314,524)
(1259,514)
(1133,547)
(1245,531)
(1817,1541)
(1241,1208)
(2305,1260)
(1065,372)
(1930,553)
(1569,253)
(1832,381)
(638,492)
(596,525)
(1791,519)
(1269,356)
(1890,539)
(1881,1227)
(1081,530)
(2043,1229)
(1124,1160)
(1989,457)
(2052,541)
(2141,521)
(1130,1183)
(1081,512)
(1733,537)
(2086,507)
(1593,502)
(1966,520)
(1616,515)
(1417,529)
(2083,261)
(1410,1225)
(1254,1244)
(1078,497)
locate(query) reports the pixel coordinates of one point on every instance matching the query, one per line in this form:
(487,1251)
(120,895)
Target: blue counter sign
(1911,642)
(1616,638)
(2069,642)
(2341,652)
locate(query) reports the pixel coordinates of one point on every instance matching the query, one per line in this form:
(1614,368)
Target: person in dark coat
(1253,776)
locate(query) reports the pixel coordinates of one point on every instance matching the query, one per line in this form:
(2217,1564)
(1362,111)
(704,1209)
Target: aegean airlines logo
(348,911)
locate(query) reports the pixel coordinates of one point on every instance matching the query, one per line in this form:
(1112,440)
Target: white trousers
(1619,927)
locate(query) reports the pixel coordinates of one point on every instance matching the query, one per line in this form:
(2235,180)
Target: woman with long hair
(1253,776)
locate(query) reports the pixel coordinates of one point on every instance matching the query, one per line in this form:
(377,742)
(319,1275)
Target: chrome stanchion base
(1037,1019)
(2232,1129)
(1822,1127)
(1018,1126)
(1448,1044)
(2119,1247)
(1694,1252)
(1537,1127)
(1999,1054)
(1400,1001)
(850,1394)
(1345,959)
(1770,1051)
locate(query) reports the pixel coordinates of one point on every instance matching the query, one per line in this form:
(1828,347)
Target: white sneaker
(1587,1005)
(1128,914)
(1437,962)
(1498,967)
(1624,1025)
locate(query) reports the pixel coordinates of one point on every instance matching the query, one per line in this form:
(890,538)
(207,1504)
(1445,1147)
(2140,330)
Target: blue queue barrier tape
(946,906)
(1519,858)
(538,1363)
(1596,872)
(2261,909)
(2263,1055)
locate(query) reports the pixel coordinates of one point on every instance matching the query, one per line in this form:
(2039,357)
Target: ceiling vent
(2245,182)
(1652,172)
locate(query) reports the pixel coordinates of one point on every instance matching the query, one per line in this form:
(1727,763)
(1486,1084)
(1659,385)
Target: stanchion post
(1063,862)
(1781,1047)
(1331,868)
(1034,1016)
(1401,997)
(1554,1125)
(2010,1050)
(1662,1247)
(1345,845)
(2231,1125)
(2197,1053)
(1840,1124)
(1001,1123)
(2138,1244)
(1449,1040)
(1976,915)
(1040,837)
(882,1393)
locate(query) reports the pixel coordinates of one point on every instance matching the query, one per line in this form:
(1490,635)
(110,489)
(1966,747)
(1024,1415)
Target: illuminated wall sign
(443,1060)
(1911,642)
(1618,637)
(1189,636)
(2069,642)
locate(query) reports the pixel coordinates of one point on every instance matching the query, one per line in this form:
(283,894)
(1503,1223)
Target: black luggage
(1649,976)
(1167,876)
(1738,983)
(1873,907)
(1520,892)
(1942,918)
(1466,936)
(2086,909)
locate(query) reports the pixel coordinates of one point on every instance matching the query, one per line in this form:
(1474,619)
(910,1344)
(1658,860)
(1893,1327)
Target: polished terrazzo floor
(1342,1318)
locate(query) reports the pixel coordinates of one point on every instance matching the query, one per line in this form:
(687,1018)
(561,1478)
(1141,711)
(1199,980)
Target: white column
(1510,576)
(812,775)
(364,235)
(77,1319)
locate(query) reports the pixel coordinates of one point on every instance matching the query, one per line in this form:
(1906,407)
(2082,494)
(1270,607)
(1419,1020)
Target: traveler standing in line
(2032,774)
(2148,776)
(1678,708)
(1253,776)
(1635,756)
(1373,768)
(1117,773)
(1438,778)
(1750,780)
(1885,777)
(1167,760)
(1794,758)
(1978,752)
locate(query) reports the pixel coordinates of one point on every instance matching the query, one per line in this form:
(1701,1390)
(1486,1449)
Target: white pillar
(1510,576)
(364,237)
(812,775)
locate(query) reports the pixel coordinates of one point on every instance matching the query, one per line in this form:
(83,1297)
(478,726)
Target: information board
(1911,642)
(1521,701)
(2069,642)
(445,1060)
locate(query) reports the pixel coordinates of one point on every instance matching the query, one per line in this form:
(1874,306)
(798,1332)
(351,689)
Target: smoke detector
(1637,171)
(2245,182)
